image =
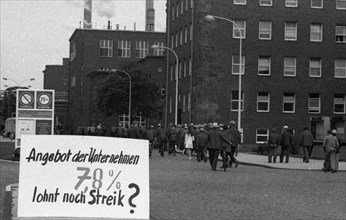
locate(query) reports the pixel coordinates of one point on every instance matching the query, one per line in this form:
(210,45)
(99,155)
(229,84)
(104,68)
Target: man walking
(214,141)
(330,144)
(286,142)
(306,140)
(235,133)
(273,144)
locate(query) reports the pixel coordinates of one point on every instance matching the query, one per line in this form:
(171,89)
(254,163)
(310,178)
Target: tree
(113,92)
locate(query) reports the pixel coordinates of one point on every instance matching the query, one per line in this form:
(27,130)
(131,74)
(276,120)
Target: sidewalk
(293,164)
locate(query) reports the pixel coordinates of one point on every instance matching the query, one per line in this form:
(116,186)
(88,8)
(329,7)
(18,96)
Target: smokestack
(87,13)
(134,26)
(149,15)
(109,25)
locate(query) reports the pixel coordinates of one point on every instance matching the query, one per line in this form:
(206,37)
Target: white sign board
(83,176)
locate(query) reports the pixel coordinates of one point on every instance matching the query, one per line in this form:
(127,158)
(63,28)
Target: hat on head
(215,125)
(285,127)
(333,131)
(232,122)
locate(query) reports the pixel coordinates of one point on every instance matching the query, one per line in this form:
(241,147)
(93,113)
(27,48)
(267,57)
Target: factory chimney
(149,15)
(87,14)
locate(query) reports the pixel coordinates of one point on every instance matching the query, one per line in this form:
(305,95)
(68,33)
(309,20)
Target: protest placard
(83,176)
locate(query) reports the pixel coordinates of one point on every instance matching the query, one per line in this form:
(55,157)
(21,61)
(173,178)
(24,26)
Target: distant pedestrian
(189,138)
(273,145)
(330,144)
(337,155)
(161,139)
(236,135)
(226,146)
(214,147)
(120,131)
(99,131)
(286,143)
(134,131)
(172,140)
(306,141)
(202,143)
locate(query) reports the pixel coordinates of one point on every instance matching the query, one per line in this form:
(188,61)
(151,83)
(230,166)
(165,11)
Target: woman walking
(189,138)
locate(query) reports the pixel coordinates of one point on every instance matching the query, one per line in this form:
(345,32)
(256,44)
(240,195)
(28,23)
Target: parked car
(10,128)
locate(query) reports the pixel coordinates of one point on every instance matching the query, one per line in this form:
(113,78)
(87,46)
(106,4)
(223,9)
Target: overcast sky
(35,33)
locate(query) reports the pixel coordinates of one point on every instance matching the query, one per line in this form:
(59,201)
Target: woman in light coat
(188,141)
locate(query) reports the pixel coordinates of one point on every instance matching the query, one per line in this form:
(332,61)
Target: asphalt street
(187,189)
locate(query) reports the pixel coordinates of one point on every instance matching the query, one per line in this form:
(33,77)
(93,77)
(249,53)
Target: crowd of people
(209,141)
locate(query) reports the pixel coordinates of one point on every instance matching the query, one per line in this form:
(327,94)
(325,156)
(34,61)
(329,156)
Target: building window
(291,3)
(235,101)
(340,34)
(316,32)
(291,31)
(185,68)
(316,3)
(170,105)
(73,83)
(288,102)
(264,66)
(124,48)
(181,7)
(181,37)
(106,48)
(173,13)
(186,5)
(191,32)
(239,2)
(263,102)
(290,66)
(339,104)
(180,64)
(172,41)
(176,39)
(236,65)
(142,49)
(172,72)
(159,51)
(242,27)
(314,103)
(184,106)
(190,66)
(315,69)
(266,3)
(262,136)
(265,30)
(340,68)
(185,35)
(189,101)
(177,10)
(341,4)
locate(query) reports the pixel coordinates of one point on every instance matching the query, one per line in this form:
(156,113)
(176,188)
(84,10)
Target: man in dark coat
(273,145)
(202,143)
(134,132)
(161,139)
(286,142)
(306,141)
(236,135)
(214,140)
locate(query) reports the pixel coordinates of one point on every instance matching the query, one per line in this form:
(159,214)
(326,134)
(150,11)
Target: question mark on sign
(133,185)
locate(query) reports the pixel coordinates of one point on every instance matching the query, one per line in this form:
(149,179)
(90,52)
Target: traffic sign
(44,100)
(26,100)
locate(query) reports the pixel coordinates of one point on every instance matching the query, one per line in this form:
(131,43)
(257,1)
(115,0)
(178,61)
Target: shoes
(205,160)
(307,161)
(236,164)
(269,161)
(333,171)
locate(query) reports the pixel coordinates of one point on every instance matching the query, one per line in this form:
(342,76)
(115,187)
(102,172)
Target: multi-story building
(92,50)
(293,64)
(56,77)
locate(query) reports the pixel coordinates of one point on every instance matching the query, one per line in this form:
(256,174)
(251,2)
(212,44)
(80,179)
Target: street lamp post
(212,18)
(20,83)
(130,88)
(176,80)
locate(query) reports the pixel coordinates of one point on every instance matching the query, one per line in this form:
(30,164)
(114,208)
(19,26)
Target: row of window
(290,66)
(184,69)
(291,31)
(339,4)
(181,36)
(263,102)
(288,102)
(124,48)
(180,7)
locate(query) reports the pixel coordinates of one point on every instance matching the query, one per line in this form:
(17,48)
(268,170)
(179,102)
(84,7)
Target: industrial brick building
(101,50)
(293,64)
